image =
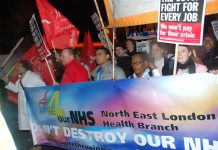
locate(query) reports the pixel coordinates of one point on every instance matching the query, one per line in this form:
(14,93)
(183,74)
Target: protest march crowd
(132,64)
(128,63)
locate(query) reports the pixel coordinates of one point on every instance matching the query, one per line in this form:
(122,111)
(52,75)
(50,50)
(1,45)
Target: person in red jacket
(74,71)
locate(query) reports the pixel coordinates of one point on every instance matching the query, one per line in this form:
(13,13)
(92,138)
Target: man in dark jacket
(123,60)
(131,47)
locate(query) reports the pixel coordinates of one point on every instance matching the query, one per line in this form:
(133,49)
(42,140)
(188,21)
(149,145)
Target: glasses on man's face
(137,63)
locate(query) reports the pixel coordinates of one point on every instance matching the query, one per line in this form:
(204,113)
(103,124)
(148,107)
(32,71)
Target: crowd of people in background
(158,61)
(129,63)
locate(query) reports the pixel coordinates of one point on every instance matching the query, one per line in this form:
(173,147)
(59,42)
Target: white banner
(123,13)
(125,8)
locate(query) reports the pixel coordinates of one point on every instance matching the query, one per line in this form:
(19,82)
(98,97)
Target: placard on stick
(215,28)
(181,21)
(142,46)
(96,21)
(103,39)
(38,39)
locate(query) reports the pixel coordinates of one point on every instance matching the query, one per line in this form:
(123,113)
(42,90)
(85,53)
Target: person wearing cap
(123,60)
(104,70)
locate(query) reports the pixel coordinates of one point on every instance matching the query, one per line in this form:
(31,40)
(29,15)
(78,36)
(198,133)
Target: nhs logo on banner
(51,105)
(43,102)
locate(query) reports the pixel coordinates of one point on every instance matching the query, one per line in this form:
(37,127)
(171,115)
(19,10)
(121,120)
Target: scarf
(190,65)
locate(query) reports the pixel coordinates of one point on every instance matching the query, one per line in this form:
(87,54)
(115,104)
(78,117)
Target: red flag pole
(175,59)
(11,71)
(113,56)
(53,46)
(54,50)
(46,60)
(49,69)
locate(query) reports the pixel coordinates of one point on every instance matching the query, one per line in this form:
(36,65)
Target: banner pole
(10,71)
(102,24)
(175,59)
(53,46)
(49,69)
(113,56)
(12,52)
(54,50)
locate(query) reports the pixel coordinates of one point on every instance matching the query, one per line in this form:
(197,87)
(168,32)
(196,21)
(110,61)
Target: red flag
(57,27)
(39,67)
(88,53)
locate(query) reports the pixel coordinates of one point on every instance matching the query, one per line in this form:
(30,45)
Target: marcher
(164,64)
(105,69)
(123,60)
(74,71)
(143,67)
(210,46)
(186,65)
(27,78)
(131,47)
